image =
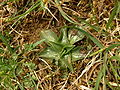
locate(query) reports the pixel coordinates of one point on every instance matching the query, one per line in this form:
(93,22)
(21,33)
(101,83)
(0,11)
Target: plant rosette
(61,48)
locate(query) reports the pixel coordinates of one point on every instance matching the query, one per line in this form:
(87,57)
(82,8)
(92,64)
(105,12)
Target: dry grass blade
(45,63)
(90,64)
(66,16)
(51,14)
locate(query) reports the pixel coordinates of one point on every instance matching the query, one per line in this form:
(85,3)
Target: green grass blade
(67,17)
(62,12)
(104,69)
(92,26)
(38,3)
(97,42)
(114,71)
(112,46)
(4,40)
(115,11)
(37,43)
(116,57)
(100,75)
(101,50)
(30,47)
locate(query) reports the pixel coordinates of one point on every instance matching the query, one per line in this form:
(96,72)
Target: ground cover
(59,45)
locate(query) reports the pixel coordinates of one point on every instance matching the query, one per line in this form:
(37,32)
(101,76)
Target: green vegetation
(62,48)
(12,66)
(59,44)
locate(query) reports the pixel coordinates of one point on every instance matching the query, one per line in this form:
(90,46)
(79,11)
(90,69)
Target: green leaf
(49,36)
(66,50)
(67,63)
(67,36)
(56,46)
(76,55)
(49,53)
(75,36)
(97,42)
(64,36)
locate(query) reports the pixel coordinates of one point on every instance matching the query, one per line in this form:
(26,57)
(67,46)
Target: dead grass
(27,30)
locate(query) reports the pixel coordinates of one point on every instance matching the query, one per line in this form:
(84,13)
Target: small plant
(61,48)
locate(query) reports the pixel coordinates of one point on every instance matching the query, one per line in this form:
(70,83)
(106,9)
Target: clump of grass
(12,66)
